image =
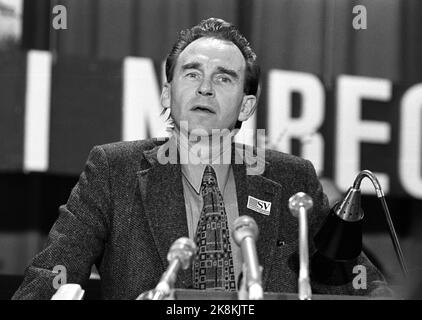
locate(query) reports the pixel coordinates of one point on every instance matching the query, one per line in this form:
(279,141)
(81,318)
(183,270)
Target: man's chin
(200,132)
(194,130)
(200,129)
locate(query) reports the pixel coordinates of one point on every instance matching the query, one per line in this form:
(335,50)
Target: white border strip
(37,111)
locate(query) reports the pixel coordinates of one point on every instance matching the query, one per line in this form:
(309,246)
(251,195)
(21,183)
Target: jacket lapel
(265,189)
(164,204)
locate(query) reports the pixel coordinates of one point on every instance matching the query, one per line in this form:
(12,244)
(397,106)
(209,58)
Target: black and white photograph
(213,150)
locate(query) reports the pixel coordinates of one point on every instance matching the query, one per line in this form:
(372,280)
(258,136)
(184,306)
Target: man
(131,203)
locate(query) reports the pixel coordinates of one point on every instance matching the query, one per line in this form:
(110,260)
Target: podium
(189,294)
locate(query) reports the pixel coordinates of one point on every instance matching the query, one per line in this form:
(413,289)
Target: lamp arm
(380,194)
(368,174)
(393,236)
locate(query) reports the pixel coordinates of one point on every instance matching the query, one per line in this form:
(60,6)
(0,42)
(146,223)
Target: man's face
(207,86)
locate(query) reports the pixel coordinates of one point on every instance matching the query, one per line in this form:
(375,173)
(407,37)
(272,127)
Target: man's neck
(211,149)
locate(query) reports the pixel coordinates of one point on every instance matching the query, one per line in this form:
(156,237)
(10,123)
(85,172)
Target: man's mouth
(203,108)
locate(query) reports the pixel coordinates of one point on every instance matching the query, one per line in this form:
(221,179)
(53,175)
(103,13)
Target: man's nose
(205,88)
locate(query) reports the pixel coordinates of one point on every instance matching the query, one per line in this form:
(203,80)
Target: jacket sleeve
(353,277)
(77,238)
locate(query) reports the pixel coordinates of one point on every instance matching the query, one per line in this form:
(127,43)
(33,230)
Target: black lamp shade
(338,239)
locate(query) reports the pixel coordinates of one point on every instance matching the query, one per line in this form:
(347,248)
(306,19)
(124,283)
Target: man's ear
(166,96)
(248,107)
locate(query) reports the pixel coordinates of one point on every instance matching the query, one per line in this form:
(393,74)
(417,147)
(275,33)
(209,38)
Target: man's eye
(224,79)
(192,75)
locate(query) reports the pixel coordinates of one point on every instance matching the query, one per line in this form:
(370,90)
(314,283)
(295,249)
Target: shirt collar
(195,172)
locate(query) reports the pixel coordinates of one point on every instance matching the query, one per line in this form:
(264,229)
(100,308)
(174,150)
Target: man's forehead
(211,50)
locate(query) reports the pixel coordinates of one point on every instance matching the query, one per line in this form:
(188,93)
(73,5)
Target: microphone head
(183,249)
(244,226)
(298,200)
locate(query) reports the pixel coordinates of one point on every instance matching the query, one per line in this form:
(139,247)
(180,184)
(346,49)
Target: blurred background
(77,73)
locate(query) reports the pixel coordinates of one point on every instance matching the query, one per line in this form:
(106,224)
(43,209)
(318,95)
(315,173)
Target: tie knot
(209,177)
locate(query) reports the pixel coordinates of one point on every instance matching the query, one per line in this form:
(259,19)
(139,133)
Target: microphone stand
(245,234)
(164,288)
(304,279)
(180,256)
(299,204)
(249,289)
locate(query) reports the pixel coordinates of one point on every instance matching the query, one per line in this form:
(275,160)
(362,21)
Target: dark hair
(219,29)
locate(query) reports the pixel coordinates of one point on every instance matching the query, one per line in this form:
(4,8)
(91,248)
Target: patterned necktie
(213,265)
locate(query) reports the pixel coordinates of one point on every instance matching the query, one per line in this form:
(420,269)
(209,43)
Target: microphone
(299,204)
(180,255)
(245,234)
(69,291)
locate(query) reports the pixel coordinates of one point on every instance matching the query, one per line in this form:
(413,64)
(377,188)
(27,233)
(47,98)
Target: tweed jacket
(127,209)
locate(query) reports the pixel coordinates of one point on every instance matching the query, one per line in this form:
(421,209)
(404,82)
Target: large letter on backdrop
(141,101)
(37,111)
(352,130)
(410,157)
(283,127)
